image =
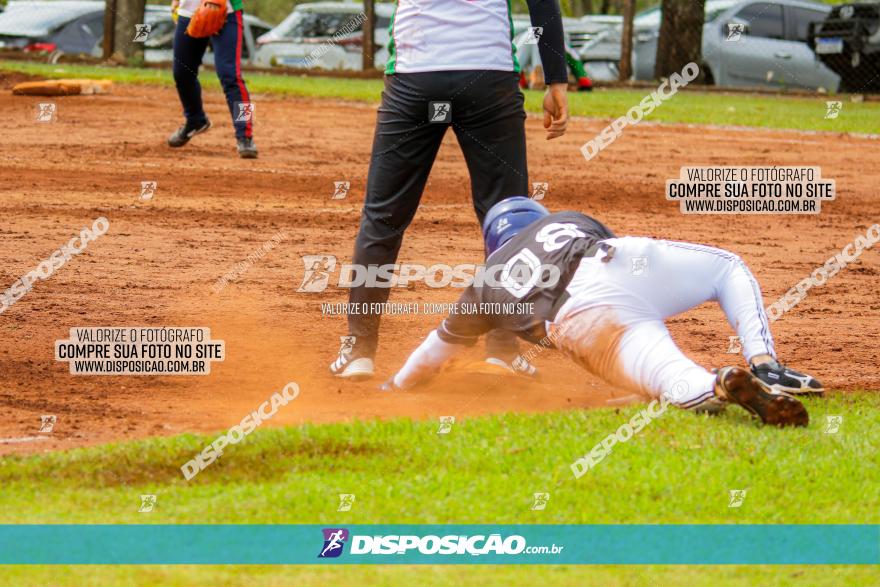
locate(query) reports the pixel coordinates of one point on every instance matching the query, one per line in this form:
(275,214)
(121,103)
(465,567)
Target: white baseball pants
(613,323)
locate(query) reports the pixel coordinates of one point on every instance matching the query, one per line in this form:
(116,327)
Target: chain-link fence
(777,44)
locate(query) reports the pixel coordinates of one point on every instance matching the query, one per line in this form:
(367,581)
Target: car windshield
(36,19)
(651,16)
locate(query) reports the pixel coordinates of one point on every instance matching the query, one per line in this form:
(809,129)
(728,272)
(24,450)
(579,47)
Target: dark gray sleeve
(465,326)
(546,15)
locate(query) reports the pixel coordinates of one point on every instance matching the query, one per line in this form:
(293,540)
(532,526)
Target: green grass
(439,576)
(753,110)
(679,469)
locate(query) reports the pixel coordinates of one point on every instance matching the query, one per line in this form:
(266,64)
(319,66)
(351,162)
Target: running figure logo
(440,111)
(340,189)
(346,345)
(245,111)
(148,502)
(148,189)
(832,109)
(446,423)
(533,36)
(46,112)
(334,541)
(639,266)
(540,502)
(832,424)
(318,269)
(47,423)
(141,32)
(735,345)
(539,190)
(737,497)
(346,500)
(735,31)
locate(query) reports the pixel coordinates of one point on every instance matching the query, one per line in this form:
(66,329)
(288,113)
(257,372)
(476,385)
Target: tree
(681,36)
(580,7)
(120,20)
(626,44)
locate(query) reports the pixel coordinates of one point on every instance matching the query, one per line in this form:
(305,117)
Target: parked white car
(324,35)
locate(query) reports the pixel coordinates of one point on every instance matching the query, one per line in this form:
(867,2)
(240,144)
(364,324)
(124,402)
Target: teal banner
(439,544)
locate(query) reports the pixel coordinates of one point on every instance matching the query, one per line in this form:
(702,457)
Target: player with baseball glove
(603,300)
(220,23)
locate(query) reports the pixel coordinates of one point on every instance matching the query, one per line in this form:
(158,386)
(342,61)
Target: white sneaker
(519,366)
(345,367)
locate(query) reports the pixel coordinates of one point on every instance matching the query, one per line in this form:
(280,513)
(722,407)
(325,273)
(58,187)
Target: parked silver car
(76,27)
(325,35)
(748,43)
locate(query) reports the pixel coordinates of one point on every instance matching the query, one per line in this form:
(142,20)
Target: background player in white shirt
(607,310)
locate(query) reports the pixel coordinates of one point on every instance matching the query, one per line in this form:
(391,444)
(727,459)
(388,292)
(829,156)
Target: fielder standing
(220,23)
(452,64)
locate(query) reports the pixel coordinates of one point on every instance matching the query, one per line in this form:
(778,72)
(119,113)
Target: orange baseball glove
(208,19)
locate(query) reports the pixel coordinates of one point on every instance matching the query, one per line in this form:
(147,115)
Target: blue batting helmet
(507,218)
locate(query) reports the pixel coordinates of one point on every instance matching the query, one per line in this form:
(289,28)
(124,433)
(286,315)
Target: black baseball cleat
(781,378)
(740,387)
(246,148)
(183,134)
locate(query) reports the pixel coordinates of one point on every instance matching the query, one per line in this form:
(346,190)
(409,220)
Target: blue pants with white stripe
(227,46)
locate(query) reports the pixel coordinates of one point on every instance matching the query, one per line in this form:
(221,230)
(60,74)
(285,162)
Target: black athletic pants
(485,110)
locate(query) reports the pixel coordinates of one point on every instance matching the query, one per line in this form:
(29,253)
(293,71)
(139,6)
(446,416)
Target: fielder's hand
(556,110)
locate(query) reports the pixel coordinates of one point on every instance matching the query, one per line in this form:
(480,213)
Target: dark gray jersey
(525,280)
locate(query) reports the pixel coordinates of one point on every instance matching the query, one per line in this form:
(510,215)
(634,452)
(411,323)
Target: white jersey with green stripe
(451,35)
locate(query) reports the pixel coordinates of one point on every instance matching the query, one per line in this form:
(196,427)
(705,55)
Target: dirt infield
(158,262)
